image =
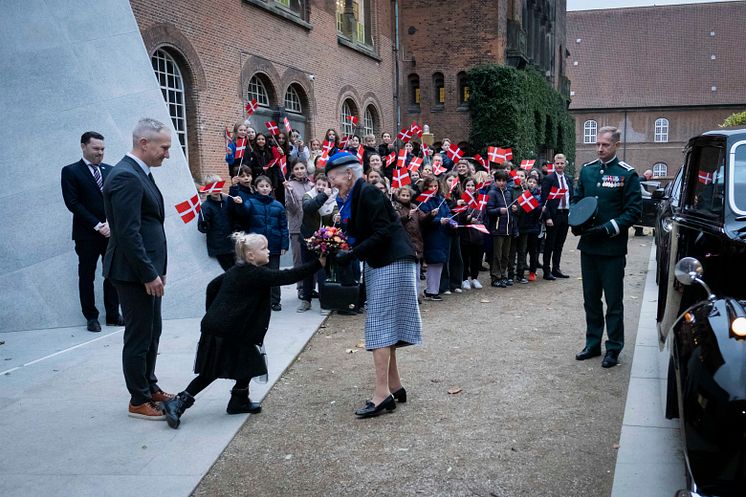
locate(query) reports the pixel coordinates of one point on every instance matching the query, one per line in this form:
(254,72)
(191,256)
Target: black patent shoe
(588,353)
(611,359)
(93,325)
(370,410)
(400,395)
(559,274)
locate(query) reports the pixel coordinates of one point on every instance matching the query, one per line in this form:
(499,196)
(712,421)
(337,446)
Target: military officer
(603,247)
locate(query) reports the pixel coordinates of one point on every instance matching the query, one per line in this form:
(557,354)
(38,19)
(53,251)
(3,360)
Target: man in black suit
(82,185)
(555,213)
(136,261)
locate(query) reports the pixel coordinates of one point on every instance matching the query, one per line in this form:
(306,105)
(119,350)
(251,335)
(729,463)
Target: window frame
(179,122)
(369,121)
(661,129)
(693,185)
(345,124)
(252,95)
(439,89)
(590,131)
(358,30)
(665,170)
(297,97)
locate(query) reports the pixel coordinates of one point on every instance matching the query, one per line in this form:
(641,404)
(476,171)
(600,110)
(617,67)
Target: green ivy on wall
(735,119)
(518,109)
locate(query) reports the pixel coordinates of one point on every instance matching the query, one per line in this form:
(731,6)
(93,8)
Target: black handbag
(340,290)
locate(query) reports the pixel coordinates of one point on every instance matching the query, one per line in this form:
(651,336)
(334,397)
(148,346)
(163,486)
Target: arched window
(414,90)
(590,131)
(257,90)
(660,170)
(293,101)
(172,86)
(463,89)
(439,87)
(348,110)
(661,130)
(370,121)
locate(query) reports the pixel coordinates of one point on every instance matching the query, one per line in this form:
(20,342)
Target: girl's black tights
(203,381)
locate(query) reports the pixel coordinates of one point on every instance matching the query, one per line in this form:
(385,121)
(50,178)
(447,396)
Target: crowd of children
(462,217)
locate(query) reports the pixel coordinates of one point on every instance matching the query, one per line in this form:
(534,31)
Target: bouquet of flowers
(327,240)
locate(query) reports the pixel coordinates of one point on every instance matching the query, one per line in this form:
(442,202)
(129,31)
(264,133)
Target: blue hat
(340,159)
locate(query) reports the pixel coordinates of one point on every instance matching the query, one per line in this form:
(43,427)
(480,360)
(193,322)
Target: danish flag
(400,178)
(251,107)
(471,202)
(326,147)
(271,163)
(426,150)
(481,161)
(214,187)
(527,164)
(454,152)
(528,201)
(390,159)
(405,135)
(401,160)
(353,119)
(322,160)
(343,141)
(283,163)
(189,209)
(705,178)
(555,193)
(550,168)
(452,182)
(459,209)
(240,147)
(427,195)
(438,170)
(494,155)
(415,129)
(286,123)
(482,200)
(415,163)
(272,128)
(360,153)
(478,227)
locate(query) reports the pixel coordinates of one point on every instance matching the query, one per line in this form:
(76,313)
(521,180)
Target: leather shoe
(611,359)
(93,325)
(370,410)
(550,277)
(559,274)
(117,321)
(587,353)
(400,395)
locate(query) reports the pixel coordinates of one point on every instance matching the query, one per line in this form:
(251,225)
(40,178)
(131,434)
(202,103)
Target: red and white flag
(438,170)
(353,119)
(452,182)
(189,209)
(494,155)
(484,184)
(401,160)
(471,202)
(415,129)
(478,227)
(426,151)
(405,135)
(241,147)
(283,163)
(550,168)
(390,159)
(480,160)
(555,193)
(251,107)
(215,187)
(271,163)
(400,178)
(527,164)
(454,152)
(228,138)
(508,153)
(343,141)
(322,160)
(415,163)
(482,200)
(528,201)
(286,123)
(360,153)
(705,178)
(326,147)
(427,195)
(272,128)
(459,209)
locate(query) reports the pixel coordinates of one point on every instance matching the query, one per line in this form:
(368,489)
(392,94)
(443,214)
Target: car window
(739,177)
(675,192)
(706,181)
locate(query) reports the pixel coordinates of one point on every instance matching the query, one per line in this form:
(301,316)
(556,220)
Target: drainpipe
(624,150)
(397,103)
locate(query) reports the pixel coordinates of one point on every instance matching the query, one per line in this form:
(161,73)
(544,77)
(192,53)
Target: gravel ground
(529,419)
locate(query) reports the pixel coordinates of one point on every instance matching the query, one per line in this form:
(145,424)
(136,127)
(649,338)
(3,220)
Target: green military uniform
(603,250)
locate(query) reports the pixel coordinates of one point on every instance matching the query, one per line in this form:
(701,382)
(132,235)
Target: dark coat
(266,216)
(134,208)
(237,319)
(435,235)
(501,224)
(413,226)
(379,236)
(83,198)
(551,206)
(529,223)
(312,220)
(239,219)
(215,221)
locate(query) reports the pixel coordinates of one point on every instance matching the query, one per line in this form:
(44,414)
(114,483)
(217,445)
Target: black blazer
(551,206)
(380,238)
(134,208)
(83,198)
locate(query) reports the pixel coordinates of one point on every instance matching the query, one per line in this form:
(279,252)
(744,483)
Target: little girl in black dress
(233,329)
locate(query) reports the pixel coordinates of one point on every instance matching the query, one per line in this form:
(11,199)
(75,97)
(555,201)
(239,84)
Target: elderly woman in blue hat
(378,239)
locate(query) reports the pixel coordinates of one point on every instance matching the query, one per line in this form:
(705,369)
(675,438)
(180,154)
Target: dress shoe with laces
(93,325)
(114,321)
(148,410)
(400,395)
(161,396)
(370,410)
(549,277)
(611,359)
(559,274)
(588,353)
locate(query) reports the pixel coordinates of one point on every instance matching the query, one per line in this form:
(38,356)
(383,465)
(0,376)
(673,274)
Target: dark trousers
(471,253)
(142,333)
(603,274)
(555,242)
(203,381)
(512,255)
(450,278)
(527,245)
(308,283)
(500,253)
(89,251)
(226,261)
(274,263)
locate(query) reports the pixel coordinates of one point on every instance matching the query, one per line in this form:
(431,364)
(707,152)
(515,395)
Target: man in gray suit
(135,261)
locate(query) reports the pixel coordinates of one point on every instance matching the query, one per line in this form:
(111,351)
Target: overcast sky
(607,4)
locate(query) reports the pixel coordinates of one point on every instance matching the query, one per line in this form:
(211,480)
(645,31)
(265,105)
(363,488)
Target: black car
(702,312)
(668,204)
(650,203)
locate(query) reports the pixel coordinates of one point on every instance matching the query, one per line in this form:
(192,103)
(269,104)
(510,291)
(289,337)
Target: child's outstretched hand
(237,199)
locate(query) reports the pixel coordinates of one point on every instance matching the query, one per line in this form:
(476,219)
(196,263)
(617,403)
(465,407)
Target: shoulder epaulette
(626,166)
(590,163)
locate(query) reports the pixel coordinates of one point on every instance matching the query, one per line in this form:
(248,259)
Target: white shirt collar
(140,163)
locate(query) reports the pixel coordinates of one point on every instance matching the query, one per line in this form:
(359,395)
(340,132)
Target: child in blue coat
(435,237)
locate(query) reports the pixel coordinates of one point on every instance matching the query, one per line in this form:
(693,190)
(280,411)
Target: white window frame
(661,130)
(590,131)
(171,82)
(660,170)
(369,124)
(256,89)
(293,102)
(345,124)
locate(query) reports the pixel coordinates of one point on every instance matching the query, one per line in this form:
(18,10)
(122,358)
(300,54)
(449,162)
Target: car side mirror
(659,194)
(689,271)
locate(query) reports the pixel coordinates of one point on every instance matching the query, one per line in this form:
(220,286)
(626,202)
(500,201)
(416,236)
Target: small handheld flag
(286,124)
(189,209)
(215,187)
(251,107)
(528,201)
(272,128)
(400,178)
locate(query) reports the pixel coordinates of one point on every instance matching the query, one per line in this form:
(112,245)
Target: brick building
(441,40)
(315,61)
(660,74)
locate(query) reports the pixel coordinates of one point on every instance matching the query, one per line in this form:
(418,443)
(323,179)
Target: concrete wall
(69,66)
